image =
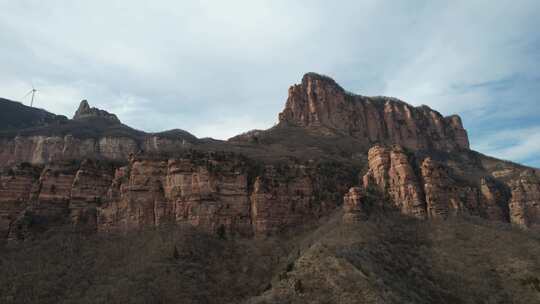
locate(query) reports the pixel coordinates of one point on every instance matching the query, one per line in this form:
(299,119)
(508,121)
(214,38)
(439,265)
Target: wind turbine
(33,92)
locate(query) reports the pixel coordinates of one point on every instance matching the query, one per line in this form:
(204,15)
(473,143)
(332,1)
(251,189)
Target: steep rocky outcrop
(525,202)
(215,195)
(291,197)
(151,192)
(319,102)
(88,191)
(224,193)
(392,175)
(85,112)
(17,186)
(443,195)
(422,187)
(355,207)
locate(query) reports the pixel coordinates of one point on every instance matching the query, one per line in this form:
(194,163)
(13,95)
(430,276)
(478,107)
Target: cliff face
(425,188)
(391,174)
(151,192)
(355,206)
(319,102)
(58,172)
(17,186)
(525,203)
(226,194)
(45,149)
(290,197)
(92,133)
(217,195)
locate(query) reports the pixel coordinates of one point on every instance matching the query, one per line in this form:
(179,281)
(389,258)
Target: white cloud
(520,144)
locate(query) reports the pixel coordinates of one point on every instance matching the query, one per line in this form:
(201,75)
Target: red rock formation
(354,208)
(134,197)
(210,196)
(494,203)
(88,191)
(391,173)
(525,202)
(319,102)
(55,184)
(279,202)
(441,193)
(16,188)
(436,193)
(213,195)
(224,194)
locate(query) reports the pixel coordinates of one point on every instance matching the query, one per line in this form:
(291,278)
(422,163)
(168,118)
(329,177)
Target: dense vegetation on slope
(402,260)
(383,260)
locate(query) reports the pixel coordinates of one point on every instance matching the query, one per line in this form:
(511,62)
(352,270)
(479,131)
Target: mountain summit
(319,102)
(85,111)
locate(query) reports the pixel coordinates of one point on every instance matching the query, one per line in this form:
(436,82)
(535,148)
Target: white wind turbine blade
(26,95)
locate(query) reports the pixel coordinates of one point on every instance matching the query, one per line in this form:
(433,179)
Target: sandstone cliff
(422,187)
(525,203)
(319,102)
(214,192)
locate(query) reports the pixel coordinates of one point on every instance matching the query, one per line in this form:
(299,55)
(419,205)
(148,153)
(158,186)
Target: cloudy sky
(218,68)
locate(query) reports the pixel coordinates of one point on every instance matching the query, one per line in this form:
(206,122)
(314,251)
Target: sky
(220,68)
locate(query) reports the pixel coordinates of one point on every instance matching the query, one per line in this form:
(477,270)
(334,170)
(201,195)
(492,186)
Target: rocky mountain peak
(85,111)
(320,103)
(311,79)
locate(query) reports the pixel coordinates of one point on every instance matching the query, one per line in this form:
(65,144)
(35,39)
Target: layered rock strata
(355,207)
(525,202)
(215,194)
(319,102)
(425,188)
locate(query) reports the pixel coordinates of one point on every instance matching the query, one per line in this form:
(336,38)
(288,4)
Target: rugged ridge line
(92,133)
(319,102)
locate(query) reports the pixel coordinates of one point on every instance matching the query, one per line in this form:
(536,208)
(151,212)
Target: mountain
(110,177)
(92,133)
(348,199)
(16,116)
(319,102)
